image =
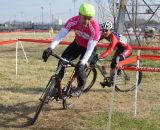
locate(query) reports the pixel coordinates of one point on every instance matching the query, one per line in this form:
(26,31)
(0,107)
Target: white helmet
(107,25)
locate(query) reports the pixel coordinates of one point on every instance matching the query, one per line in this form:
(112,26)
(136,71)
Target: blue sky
(30,10)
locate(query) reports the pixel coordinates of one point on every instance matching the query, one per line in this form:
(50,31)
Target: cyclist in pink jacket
(84,45)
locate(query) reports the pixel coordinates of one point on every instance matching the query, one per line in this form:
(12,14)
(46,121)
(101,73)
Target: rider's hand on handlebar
(46,53)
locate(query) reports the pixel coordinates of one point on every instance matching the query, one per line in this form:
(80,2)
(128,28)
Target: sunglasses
(105,30)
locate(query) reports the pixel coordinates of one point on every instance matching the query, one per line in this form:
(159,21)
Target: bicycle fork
(47,89)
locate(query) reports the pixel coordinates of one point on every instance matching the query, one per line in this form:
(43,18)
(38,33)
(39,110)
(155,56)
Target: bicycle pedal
(102,84)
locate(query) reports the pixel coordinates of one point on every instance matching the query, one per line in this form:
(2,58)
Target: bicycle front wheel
(43,99)
(69,101)
(126,81)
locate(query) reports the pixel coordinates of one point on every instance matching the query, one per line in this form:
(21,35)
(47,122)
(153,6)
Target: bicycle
(62,94)
(125,79)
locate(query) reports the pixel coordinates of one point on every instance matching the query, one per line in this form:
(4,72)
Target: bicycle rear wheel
(44,98)
(91,74)
(126,81)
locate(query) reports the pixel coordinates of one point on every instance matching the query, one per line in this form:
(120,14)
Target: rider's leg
(113,65)
(70,53)
(122,55)
(118,52)
(81,77)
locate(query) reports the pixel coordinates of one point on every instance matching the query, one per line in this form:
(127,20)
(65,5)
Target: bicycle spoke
(44,99)
(70,102)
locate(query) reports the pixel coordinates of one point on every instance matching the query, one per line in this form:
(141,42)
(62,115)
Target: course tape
(62,42)
(8,42)
(24,31)
(43,41)
(150,57)
(120,65)
(127,61)
(36,40)
(32,31)
(147,69)
(67,43)
(145,48)
(135,58)
(157,35)
(98,45)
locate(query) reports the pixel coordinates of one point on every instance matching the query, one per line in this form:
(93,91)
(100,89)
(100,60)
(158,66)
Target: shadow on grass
(106,90)
(10,116)
(23,90)
(21,114)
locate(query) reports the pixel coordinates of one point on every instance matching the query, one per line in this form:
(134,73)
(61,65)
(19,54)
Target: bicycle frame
(56,76)
(99,66)
(72,77)
(125,80)
(68,85)
(62,93)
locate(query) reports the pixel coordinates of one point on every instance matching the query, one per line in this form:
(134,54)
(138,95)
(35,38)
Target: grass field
(19,96)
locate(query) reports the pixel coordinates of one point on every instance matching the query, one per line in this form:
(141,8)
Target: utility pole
(52,19)
(98,10)
(42,14)
(50,14)
(136,15)
(74,2)
(113,14)
(133,10)
(121,17)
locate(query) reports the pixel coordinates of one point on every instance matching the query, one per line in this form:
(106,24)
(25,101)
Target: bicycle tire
(42,102)
(69,101)
(90,71)
(127,85)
